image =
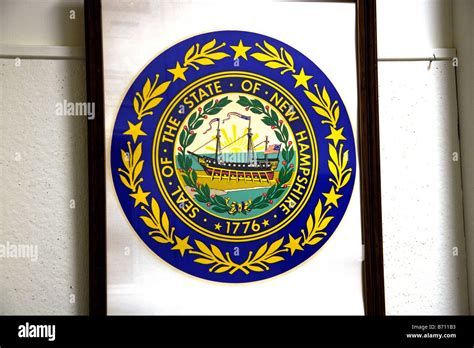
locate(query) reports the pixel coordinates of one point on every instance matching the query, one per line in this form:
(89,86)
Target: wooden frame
(368,146)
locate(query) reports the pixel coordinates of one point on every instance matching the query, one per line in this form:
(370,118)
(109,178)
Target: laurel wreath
(205,55)
(337,166)
(133,167)
(212,256)
(149,98)
(257,262)
(186,138)
(202,191)
(159,223)
(273,58)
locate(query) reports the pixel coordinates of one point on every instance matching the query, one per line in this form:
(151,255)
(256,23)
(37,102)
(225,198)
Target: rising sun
(235,143)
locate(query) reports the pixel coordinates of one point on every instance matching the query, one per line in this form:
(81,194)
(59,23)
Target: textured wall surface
(43,164)
(421,198)
(424,251)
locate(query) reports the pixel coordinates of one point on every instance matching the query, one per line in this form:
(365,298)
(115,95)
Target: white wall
(43,162)
(424,246)
(463,14)
(41,22)
(407,26)
(421,190)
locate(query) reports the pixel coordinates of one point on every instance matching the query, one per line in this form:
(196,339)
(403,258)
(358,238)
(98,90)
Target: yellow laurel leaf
(155,208)
(261,57)
(146,89)
(204,261)
(314,241)
(165,223)
(321,111)
(309,224)
(125,182)
(136,105)
(346,179)
(255,268)
(275,65)
(149,222)
(125,159)
(217,55)
(137,170)
(217,252)
(336,114)
(189,53)
(323,224)
(208,46)
(136,155)
(204,61)
(152,103)
(272,49)
(203,247)
(275,245)
(260,252)
(161,240)
(326,99)
(223,269)
(313,98)
(333,154)
(160,89)
(345,159)
(274,259)
(318,211)
(332,168)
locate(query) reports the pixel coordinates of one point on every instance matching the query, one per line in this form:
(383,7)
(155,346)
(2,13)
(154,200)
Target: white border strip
(42,52)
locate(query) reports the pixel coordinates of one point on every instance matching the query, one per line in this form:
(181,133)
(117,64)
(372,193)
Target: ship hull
(262,171)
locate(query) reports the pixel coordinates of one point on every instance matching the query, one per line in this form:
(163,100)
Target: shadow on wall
(64,15)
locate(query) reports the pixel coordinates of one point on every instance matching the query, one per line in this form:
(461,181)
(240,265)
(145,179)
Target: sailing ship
(253,168)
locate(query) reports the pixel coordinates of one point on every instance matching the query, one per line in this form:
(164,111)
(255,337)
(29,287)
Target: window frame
(368,152)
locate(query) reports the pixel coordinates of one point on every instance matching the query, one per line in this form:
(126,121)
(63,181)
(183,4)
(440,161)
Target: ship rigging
(250,168)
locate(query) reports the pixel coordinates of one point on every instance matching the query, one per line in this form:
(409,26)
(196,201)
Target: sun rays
(239,145)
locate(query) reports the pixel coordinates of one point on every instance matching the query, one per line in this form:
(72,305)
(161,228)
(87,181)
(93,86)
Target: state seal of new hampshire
(233,156)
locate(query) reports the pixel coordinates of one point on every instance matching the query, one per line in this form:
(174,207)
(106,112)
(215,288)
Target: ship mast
(250,147)
(266,147)
(218,140)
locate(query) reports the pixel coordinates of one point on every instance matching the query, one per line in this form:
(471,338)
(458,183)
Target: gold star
(182,245)
(140,196)
(332,197)
(265,223)
(336,135)
(178,72)
(302,79)
(134,130)
(240,50)
(294,244)
(217,226)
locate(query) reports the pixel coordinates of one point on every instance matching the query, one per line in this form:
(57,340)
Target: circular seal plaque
(233,157)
